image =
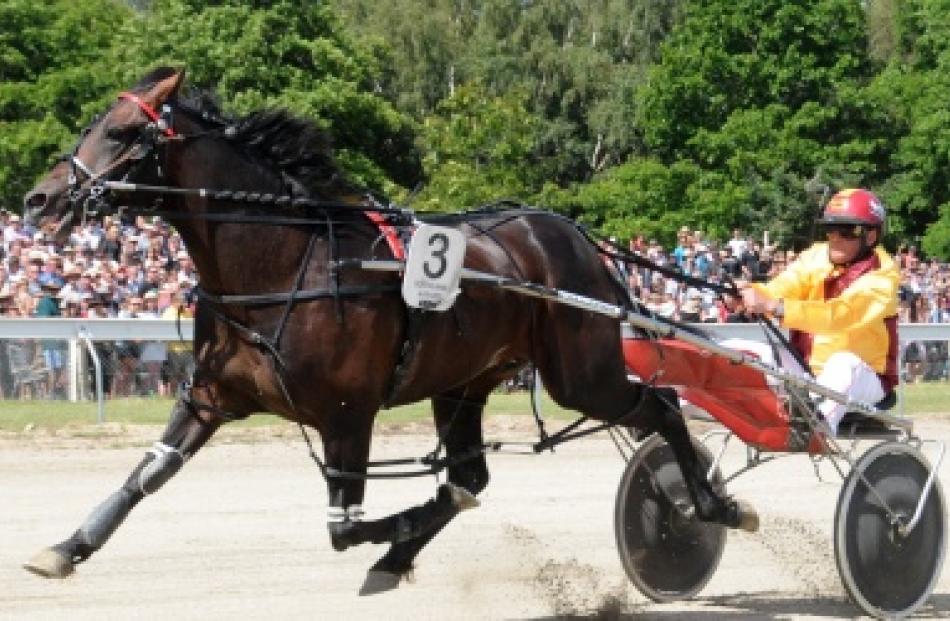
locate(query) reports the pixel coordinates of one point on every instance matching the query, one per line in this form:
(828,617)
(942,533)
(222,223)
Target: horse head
(120,145)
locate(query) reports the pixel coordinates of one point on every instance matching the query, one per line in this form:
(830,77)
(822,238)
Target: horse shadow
(748,607)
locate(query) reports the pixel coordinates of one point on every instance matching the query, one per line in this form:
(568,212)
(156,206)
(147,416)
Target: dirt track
(240,533)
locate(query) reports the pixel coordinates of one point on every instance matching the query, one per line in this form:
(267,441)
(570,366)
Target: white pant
(844,372)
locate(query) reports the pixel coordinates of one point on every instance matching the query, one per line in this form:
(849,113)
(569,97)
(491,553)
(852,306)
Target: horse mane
(294,146)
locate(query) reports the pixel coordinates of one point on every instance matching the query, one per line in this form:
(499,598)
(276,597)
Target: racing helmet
(854,206)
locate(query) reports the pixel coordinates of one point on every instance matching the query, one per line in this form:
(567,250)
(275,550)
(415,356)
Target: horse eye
(122,133)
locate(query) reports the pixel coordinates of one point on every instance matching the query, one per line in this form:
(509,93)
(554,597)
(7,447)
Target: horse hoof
(462,499)
(378,581)
(748,517)
(341,534)
(50,564)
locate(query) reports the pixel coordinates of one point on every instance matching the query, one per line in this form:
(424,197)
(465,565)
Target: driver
(839,302)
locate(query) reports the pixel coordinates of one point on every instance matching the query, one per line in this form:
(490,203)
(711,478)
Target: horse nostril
(35,200)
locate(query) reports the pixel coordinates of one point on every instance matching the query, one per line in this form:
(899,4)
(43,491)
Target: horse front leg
(185,433)
(710,506)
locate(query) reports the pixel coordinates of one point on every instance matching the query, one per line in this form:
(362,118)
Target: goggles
(844,231)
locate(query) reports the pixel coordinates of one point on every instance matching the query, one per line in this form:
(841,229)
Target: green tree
(759,95)
(285,53)
(54,58)
(579,61)
(423,43)
(479,149)
(641,196)
(916,88)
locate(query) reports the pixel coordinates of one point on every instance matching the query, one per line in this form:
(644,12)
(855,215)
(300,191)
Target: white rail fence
(80,333)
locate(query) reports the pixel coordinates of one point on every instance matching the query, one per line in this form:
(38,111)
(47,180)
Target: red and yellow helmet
(854,206)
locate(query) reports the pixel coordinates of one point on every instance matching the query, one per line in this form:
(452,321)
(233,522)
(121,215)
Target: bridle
(89,192)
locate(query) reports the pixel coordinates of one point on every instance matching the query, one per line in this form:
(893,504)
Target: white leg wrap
(166,462)
(353,513)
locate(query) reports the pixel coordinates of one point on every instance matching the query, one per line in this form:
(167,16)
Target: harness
(94,193)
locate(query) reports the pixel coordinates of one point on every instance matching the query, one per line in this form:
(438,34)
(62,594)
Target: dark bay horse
(344,345)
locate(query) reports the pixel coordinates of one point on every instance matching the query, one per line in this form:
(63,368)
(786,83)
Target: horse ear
(165,89)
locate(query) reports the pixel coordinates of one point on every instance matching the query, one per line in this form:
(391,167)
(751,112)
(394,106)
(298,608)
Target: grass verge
(918,399)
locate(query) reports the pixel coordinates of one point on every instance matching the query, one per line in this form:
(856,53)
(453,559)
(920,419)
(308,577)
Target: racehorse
(283,325)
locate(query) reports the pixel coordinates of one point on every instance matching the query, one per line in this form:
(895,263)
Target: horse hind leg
(646,408)
(710,506)
(459,423)
(407,531)
(185,433)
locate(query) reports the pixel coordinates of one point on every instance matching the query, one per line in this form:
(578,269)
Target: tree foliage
(66,60)
(478,149)
(760,95)
(49,69)
(286,53)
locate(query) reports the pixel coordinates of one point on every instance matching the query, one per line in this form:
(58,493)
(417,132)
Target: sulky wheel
(889,574)
(666,550)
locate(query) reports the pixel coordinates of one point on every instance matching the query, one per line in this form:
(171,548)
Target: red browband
(147,109)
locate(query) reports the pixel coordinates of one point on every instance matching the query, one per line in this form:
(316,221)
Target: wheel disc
(667,552)
(886,573)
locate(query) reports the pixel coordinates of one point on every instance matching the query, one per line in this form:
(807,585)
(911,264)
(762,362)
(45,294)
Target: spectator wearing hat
(14,231)
(70,291)
(703,261)
(48,303)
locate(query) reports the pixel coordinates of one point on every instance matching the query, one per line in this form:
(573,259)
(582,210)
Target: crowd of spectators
(113,267)
(135,268)
(108,268)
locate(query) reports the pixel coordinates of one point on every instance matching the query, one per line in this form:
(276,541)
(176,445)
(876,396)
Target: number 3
(443,240)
